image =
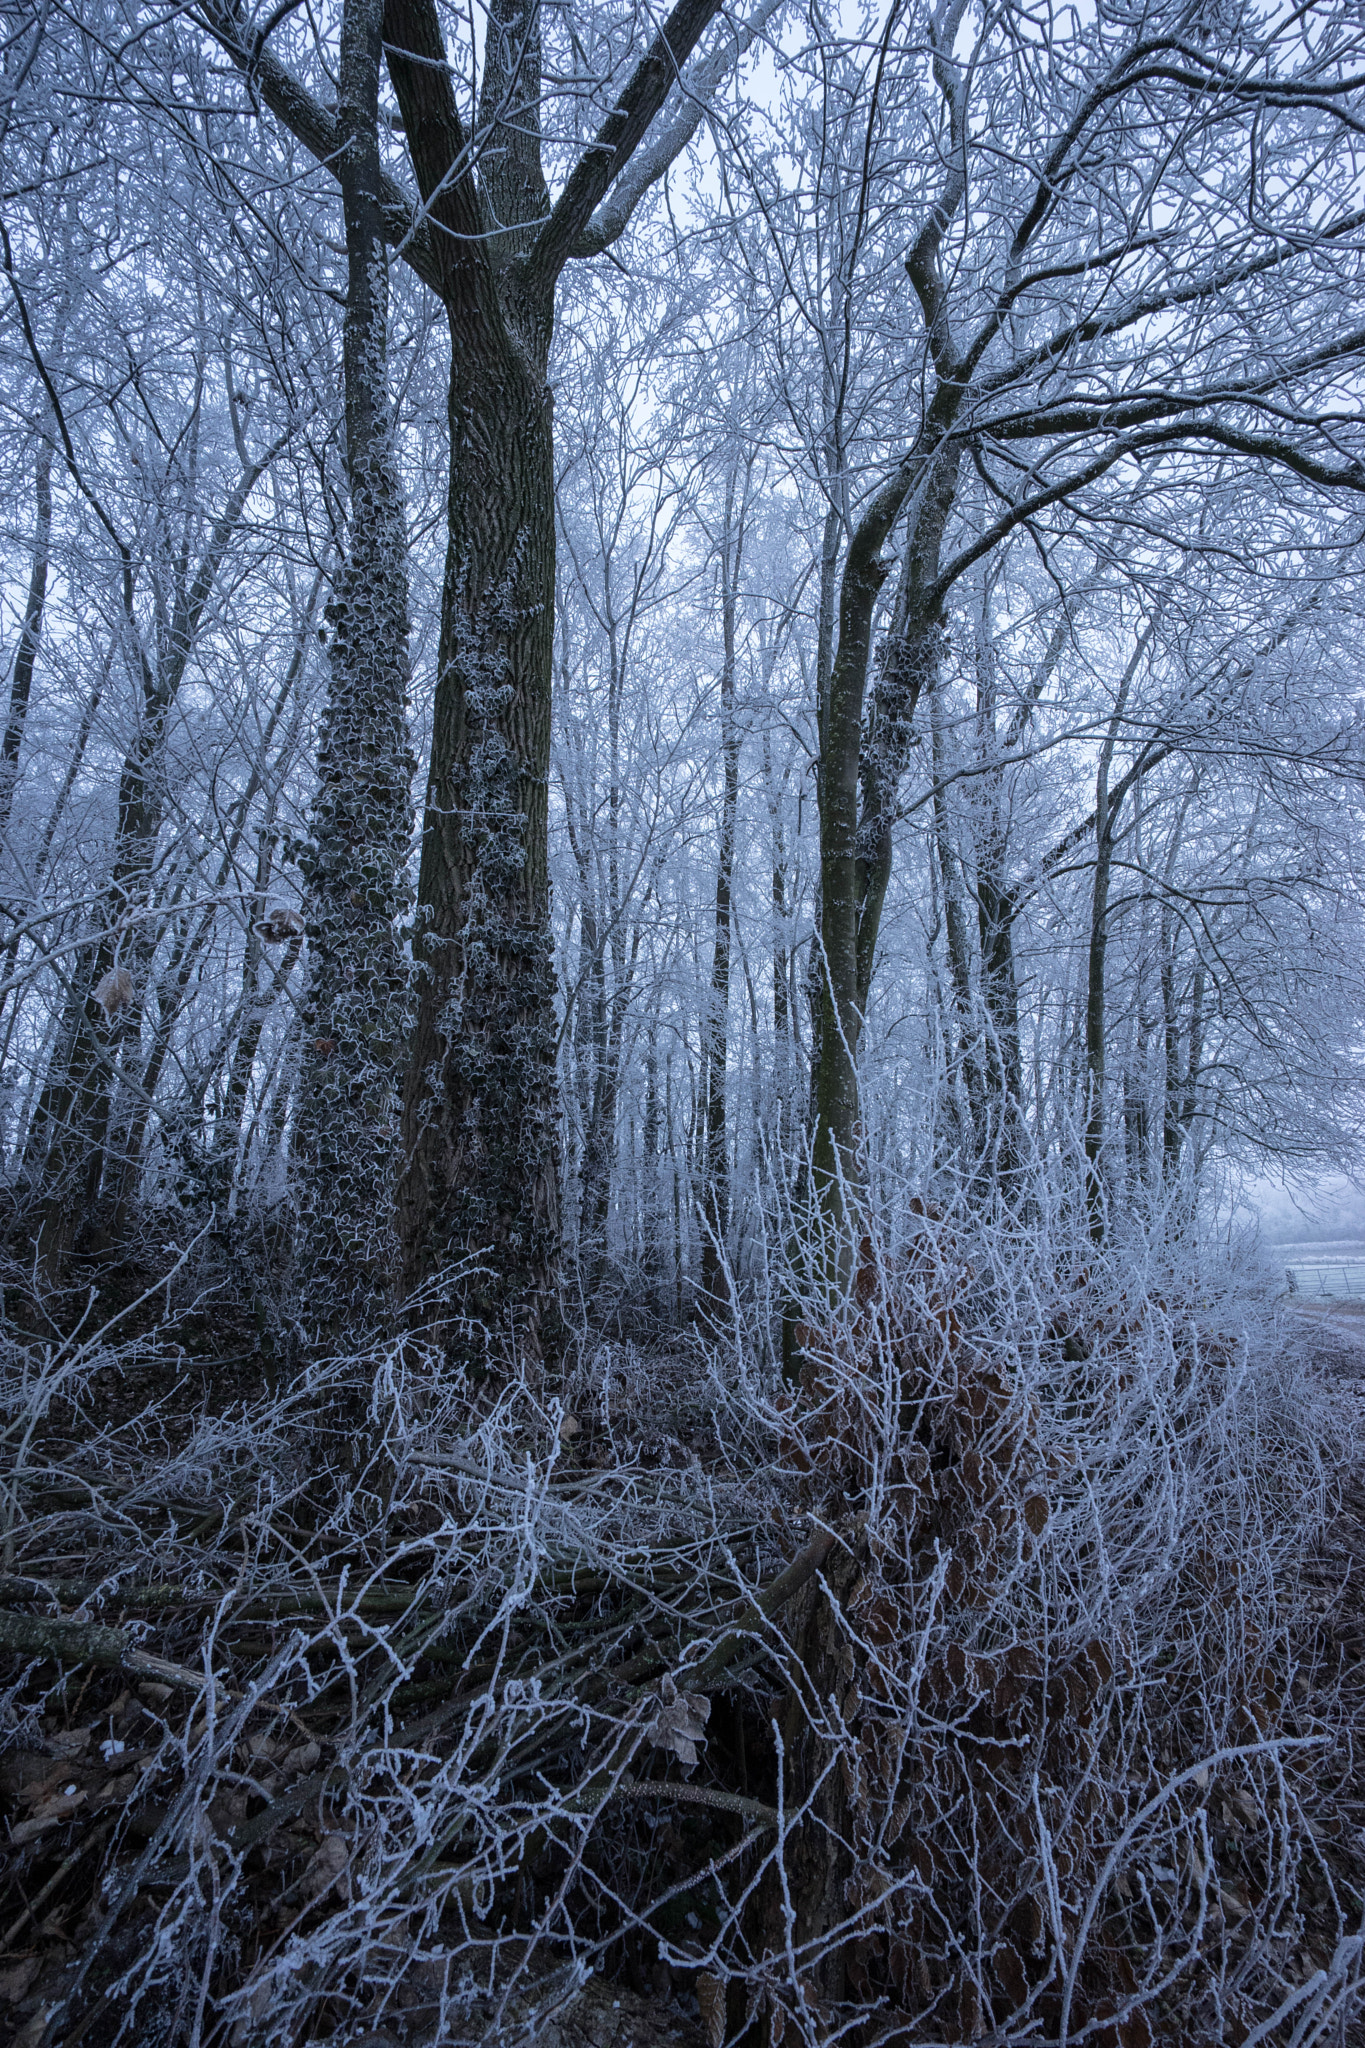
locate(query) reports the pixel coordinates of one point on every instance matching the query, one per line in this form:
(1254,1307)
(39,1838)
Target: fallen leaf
(680,1723)
(49,1814)
(15,1981)
(69,1742)
(61,1803)
(54,1780)
(327,1869)
(711,2000)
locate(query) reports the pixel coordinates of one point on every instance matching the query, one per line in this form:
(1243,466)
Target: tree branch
(617,140)
(648,166)
(315,127)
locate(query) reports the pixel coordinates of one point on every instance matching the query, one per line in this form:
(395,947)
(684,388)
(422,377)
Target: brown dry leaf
(680,1723)
(327,1869)
(303,1758)
(711,2000)
(52,1816)
(59,1804)
(47,1785)
(117,1790)
(69,1742)
(115,991)
(280,925)
(1036,1512)
(1009,1968)
(15,1981)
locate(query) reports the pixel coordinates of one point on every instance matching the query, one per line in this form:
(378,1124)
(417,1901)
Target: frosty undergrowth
(1012,1754)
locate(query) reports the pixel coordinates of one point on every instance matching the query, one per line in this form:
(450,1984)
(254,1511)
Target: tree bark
(716,1160)
(21,682)
(346,1132)
(478,1195)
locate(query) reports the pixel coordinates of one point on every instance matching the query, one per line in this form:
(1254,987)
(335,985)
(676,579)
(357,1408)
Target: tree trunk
(1106,815)
(21,682)
(855,841)
(1094,1014)
(479,1195)
(968,1061)
(354,1011)
(716,1164)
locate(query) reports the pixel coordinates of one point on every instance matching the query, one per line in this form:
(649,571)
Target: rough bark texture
(480,1180)
(355,1010)
(479,1194)
(478,1201)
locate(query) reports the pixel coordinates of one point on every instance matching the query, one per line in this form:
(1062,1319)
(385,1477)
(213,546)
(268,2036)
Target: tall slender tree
(355,883)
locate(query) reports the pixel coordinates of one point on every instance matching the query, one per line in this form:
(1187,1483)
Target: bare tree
(480,1178)
(1019,319)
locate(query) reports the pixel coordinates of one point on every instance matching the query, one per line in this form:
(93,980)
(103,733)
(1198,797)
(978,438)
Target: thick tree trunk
(346,1133)
(478,1201)
(479,1194)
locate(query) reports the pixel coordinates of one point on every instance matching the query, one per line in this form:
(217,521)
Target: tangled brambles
(1051,1659)
(948,1698)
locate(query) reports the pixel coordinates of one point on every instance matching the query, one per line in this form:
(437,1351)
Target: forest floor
(67,1795)
(1334,1624)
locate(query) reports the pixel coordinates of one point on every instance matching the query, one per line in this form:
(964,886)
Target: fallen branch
(742,1618)
(87,1642)
(764,1818)
(378,1599)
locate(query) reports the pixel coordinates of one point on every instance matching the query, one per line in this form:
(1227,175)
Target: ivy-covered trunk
(478,1195)
(346,1139)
